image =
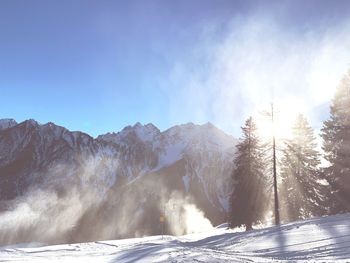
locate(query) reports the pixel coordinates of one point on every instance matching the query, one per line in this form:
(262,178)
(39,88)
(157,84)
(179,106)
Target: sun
(285,114)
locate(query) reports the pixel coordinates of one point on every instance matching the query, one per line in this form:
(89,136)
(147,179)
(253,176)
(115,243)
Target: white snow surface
(324,239)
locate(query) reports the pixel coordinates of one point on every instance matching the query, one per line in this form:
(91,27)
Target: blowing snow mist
(89,209)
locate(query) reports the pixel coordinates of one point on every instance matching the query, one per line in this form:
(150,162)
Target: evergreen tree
(302,193)
(336,145)
(248,200)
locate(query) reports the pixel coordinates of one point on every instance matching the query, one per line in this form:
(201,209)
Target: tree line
(305,187)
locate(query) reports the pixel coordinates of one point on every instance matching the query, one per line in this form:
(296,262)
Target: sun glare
(285,114)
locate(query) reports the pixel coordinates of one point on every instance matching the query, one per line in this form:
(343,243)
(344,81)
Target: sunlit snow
(318,240)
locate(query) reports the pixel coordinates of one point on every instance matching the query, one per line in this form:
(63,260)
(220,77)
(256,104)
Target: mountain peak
(145,133)
(137,125)
(31,122)
(209,125)
(7,123)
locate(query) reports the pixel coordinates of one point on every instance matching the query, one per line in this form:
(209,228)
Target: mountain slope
(128,178)
(32,154)
(324,239)
(195,158)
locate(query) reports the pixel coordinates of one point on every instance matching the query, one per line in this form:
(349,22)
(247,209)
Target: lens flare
(285,113)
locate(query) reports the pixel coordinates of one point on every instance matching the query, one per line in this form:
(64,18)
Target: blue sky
(98,66)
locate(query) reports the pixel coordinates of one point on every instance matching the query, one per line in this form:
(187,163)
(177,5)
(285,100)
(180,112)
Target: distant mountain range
(116,185)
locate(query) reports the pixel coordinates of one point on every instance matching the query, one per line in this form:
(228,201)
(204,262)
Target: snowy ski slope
(317,240)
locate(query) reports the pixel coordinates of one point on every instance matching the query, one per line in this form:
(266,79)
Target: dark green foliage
(248,201)
(336,145)
(302,190)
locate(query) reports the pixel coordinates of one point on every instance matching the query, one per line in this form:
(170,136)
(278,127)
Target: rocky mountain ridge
(139,165)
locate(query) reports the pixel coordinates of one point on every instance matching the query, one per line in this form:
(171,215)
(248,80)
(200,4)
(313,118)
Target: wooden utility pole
(162,220)
(277,211)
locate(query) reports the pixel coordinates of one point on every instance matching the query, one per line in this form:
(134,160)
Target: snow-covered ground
(317,240)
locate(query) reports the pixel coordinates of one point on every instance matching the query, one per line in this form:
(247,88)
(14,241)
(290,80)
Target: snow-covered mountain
(7,123)
(198,156)
(129,177)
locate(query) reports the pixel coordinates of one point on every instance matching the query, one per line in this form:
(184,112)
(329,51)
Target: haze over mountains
(59,186)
